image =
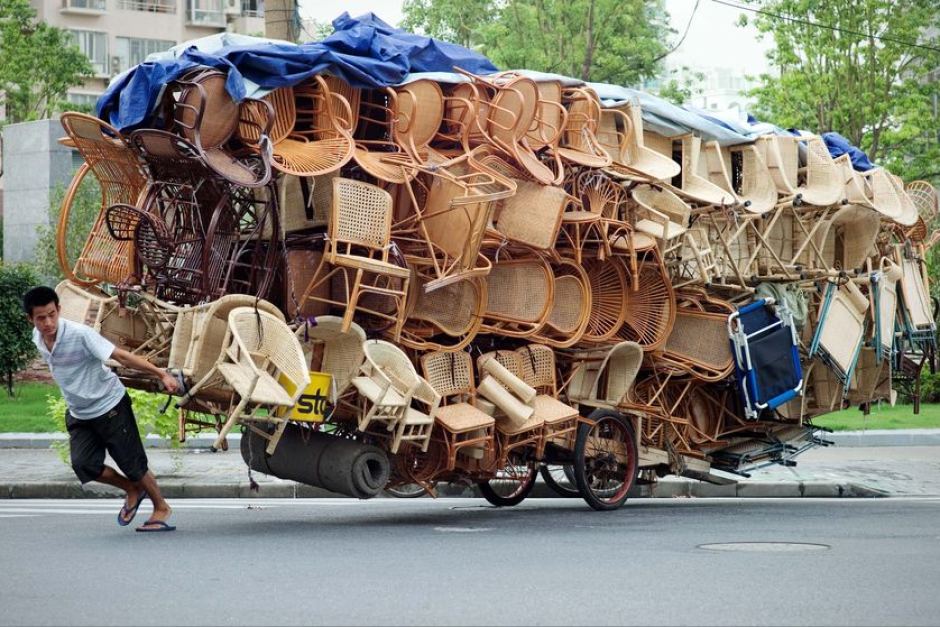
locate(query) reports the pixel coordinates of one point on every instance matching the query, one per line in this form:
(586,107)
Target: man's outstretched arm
(129,360)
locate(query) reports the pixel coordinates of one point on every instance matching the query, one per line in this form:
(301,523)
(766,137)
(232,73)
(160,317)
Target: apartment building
(118,34)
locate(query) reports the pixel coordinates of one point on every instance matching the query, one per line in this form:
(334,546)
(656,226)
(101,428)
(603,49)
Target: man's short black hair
(39,296)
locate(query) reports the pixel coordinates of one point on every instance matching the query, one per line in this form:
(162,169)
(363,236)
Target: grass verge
(884,417)
(27,412)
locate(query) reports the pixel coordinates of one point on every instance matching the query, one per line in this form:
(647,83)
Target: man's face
(46,319)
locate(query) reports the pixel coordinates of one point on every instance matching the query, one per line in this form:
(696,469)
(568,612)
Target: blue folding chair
(766,358)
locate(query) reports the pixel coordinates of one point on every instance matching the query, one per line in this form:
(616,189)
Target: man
(99,416)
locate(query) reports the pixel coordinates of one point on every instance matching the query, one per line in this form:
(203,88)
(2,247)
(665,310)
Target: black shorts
(115,432)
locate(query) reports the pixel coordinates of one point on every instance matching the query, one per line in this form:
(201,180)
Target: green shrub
(86,205)
(16,341)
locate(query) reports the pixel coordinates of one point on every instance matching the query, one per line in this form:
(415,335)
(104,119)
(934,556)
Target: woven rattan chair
(305,201)
(511,105)
(389,388)
(446,319)
(519,297)
(86,306)
(603,377)
(924,197)
(579,144)
(884,195)
(651,310)
(207,116)
(750,177)
(909,214)
(821,185)
(855,189)
(361,217)
(121,180)
(261,359)
(378,150)
(560,419)
(662,215)
(327,348)
(849,237)
(696,176)
(621,134)
(459,426)
(915,294)
(444,233)
(609,292)
(781,154)
(517,425)
(310,136)
(420,113)
(587,223)
(698,343)
(571,306)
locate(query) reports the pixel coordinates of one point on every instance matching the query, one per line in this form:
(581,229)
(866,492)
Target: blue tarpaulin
(839,145)
(365,51)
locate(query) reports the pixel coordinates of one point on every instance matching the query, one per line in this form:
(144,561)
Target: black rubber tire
(500,498)
(592,468)
(568,489)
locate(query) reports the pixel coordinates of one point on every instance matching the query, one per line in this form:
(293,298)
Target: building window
(131,51)
(85,100)
(253,8)
(95,46)
(205,13)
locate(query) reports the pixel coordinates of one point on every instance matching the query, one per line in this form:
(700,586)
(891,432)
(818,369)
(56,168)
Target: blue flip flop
(161,526)
(121,520)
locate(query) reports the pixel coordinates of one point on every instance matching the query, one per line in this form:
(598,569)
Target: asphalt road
(460,561)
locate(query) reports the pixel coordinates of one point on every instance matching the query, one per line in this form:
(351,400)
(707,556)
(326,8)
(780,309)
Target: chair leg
(276,437)
(229,423)
(353,301)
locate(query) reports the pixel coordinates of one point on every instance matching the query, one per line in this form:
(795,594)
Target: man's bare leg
(112,477)
(161,509)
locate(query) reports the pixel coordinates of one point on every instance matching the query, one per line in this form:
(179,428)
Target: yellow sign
(312,404)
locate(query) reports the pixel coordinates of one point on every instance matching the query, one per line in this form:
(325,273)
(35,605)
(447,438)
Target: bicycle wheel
(605,460)
(560,478)
(512,483)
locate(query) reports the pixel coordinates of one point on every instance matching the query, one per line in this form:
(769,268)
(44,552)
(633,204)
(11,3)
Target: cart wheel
(560,478)
(605,460)
(511,484)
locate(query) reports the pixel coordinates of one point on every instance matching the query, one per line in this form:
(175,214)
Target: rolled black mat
(321,460)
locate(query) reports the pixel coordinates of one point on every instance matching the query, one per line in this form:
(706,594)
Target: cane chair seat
(631,157)
(455,310)
(695,182)
(376,393)
(371,265)
(579,144)
(462,417)
(266,389)
(751,179)
(659,230)
(551,410)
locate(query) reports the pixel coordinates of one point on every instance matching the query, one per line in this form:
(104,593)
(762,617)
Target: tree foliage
(38,63)
(617,41)
(860,76)
(84,211)
(16,341)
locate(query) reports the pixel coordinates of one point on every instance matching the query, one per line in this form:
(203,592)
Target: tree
(858,67)
(38,63)
(616,41)
(16,342)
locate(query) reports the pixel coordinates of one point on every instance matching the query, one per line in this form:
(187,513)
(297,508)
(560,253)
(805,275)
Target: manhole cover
(765,547)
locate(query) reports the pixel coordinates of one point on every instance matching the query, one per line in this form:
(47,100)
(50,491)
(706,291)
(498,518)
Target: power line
(827,26)
(681,39)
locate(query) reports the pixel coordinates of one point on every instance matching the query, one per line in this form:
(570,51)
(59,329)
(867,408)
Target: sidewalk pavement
(861,464)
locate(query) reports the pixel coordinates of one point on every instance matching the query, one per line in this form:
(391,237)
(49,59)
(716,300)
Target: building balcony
(84,7)
(149,6)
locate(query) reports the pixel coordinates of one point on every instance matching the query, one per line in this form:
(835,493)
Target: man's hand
(169,382)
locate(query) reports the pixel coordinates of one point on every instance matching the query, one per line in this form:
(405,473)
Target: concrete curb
(288,489)
(882,437)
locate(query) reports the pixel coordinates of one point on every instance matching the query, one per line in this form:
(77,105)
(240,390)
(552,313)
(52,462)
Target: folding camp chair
(840,329)
(766,357)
